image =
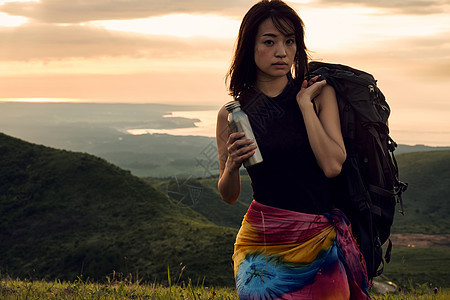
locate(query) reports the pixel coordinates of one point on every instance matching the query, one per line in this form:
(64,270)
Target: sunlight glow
(373,25)
(6,1)
(45,100)
(299,1)
(11,21)
(179,25)
(115,65)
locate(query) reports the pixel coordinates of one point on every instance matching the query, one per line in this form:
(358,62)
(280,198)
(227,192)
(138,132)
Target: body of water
(17,116)
(205,127)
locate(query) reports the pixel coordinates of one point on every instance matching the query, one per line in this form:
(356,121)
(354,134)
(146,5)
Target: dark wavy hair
(242,73)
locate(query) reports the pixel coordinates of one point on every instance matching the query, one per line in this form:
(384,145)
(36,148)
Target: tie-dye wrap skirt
(282,254)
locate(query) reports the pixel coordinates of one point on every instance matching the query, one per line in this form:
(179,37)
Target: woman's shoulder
(222,130)
(223,112)
(327,95)
(222,115)
(327,101)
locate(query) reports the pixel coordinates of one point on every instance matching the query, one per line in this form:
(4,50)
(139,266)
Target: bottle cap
(232,105)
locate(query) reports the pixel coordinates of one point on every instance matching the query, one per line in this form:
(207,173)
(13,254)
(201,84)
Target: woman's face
(274,51)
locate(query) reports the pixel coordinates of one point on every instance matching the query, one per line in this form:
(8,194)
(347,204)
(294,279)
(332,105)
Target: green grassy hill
(66,214)
(426,201)
(208,201)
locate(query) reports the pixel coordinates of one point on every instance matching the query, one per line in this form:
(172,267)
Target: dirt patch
(419,240)
(381,287)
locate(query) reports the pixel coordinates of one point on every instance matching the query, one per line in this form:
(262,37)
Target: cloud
(45,42)
(431,60)
(424,58)
(174,88)
(61,11)
(419,7)
(70,12)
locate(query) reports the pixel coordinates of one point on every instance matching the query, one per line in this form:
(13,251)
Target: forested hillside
(66,214)
(427,200)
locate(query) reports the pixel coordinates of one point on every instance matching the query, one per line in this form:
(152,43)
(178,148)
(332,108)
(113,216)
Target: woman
(292,244)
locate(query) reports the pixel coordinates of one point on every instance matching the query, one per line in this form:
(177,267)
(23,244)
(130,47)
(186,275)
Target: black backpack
(368,187)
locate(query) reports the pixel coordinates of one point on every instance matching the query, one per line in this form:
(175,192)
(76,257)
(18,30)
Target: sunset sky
(178,51)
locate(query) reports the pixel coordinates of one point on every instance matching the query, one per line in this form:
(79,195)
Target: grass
(425,201)
(419,266)
(114,288)
(118,287)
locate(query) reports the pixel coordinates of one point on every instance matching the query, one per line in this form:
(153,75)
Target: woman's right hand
(309,91)
(239,149)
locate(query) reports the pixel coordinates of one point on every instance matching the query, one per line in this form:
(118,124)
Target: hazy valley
(101,130)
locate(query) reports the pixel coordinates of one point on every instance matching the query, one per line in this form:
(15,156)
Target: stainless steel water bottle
(238,122)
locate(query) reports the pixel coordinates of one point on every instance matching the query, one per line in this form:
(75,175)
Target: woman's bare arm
(232,152)
(324,130)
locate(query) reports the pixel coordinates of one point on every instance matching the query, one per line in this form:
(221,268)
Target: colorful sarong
(282,254)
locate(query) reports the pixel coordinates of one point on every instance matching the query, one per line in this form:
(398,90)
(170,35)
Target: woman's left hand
(309,90)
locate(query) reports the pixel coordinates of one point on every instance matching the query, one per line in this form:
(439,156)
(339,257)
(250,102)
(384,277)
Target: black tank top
(289,177)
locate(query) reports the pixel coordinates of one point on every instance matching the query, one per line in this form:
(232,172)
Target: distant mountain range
(417,148)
